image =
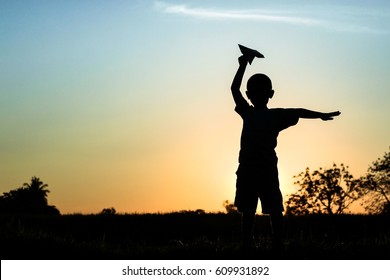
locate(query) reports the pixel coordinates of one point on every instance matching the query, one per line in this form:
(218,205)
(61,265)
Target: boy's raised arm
(236,84)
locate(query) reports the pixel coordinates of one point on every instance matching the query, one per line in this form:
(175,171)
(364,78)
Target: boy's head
(259,89)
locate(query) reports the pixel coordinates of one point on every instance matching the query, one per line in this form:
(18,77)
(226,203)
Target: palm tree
(31,198)
(37,191)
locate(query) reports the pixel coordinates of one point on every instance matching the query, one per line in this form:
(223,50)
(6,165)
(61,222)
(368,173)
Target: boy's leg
(277,230)
(246,200)
(248,219)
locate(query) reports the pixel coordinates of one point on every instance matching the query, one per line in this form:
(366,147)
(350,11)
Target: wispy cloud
(252,15)
(286,17)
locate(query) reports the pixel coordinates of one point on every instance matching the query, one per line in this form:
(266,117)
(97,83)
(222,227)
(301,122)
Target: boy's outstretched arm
(308,114)
(236,84)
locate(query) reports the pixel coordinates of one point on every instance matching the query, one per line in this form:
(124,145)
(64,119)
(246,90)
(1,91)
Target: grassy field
(190,235)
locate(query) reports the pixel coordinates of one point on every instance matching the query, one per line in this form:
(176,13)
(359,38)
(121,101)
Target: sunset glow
(127,104)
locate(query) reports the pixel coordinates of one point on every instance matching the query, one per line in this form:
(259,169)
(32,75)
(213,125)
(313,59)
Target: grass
(190,235)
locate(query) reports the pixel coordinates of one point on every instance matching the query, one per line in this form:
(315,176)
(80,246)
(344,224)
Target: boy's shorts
(254,182)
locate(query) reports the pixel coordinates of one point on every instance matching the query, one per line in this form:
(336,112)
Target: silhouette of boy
(257,174)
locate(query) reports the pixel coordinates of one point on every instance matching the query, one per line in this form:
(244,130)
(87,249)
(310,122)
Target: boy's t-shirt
(260,131)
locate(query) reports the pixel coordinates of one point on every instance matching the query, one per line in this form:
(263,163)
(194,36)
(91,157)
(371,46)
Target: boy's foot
(278,248)
(248,246)
(248,243)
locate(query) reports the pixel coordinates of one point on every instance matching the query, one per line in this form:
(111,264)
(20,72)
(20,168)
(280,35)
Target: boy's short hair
(259,82)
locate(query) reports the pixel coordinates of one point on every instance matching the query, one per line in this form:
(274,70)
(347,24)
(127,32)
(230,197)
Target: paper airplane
(249,53)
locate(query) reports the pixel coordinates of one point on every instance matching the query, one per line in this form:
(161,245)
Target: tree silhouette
(37,191)
(229,207)
(108,211)
(324,191)
(377,186)
(30,198)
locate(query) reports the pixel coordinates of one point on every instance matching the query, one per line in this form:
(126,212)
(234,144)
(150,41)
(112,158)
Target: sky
(127,104)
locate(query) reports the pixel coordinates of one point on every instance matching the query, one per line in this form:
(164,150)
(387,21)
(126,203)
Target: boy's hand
(329,116)
(242,60)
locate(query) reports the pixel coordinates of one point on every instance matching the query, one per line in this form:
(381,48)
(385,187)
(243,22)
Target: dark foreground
(190,235)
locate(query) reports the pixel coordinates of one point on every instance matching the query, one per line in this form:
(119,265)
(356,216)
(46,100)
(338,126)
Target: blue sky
(127,103)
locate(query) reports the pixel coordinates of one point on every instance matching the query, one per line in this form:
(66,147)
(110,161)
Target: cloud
(251,15)
(285,17)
